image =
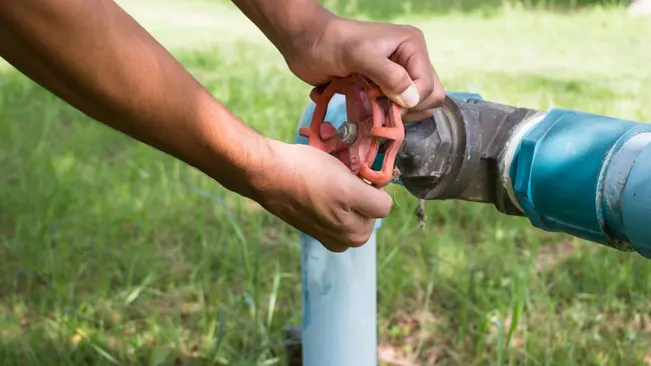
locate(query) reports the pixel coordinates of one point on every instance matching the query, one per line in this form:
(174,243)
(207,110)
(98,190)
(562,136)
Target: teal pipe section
(465,96)
(588,176)
(636,204)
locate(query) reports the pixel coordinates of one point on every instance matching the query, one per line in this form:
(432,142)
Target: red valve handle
(377,118)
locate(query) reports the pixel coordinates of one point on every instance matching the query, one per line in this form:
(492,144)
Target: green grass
(113,253)
(424,8)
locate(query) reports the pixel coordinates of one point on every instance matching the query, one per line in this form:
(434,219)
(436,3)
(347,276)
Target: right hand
(318,195)
(395,57)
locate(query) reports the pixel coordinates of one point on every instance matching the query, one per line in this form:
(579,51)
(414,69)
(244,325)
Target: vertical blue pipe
(339,305)
(339,290)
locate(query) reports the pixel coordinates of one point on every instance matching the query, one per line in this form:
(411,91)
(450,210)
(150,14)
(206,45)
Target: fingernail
(410,97)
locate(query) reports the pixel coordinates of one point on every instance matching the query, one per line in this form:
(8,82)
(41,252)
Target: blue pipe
(588,176)
(339,305)
(339,290)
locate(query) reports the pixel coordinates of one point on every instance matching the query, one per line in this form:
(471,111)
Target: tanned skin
(97,58)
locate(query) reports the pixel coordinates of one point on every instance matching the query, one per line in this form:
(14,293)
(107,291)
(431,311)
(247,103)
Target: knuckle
(438,96)
(359,238)
(345,200)
(427,93)
(334,247)
(341,216)
(415,31)
(429,86)
(386,206)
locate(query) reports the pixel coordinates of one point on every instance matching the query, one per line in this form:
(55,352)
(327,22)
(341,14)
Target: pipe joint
(458,152)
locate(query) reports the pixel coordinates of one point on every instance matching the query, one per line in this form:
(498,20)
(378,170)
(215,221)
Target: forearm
(97,58)
(283,21)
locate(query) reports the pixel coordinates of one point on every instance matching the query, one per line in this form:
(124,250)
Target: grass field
(113,253)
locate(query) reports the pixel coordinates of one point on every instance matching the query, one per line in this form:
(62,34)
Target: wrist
(270,173)
(233,154)
(304,31)
(286,23)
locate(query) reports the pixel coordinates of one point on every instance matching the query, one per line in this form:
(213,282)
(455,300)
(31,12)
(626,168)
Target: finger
(393,79)
(362,234)
(330,239)
(322,85)
(354,233)
(369,201)
(414,56)
(409,115)
(422,73)
(335,247)
(432,93)
(417,116)
(430,102)
(434,99)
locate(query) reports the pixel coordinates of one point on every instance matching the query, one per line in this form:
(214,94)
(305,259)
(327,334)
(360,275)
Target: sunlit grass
(113,253)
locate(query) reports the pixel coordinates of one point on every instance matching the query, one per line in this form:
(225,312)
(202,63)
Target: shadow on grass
(104,238)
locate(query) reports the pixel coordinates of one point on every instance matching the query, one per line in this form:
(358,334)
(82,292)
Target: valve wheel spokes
(374,124)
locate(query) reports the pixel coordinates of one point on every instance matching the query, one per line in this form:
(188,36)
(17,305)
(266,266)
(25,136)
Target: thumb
(392,78)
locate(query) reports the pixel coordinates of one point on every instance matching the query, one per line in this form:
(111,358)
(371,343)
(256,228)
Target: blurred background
(112,253)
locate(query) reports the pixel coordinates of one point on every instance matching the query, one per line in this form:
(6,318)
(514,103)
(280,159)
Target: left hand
(395,57)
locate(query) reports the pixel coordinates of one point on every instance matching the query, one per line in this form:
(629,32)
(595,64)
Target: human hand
(394,57)
(316,194)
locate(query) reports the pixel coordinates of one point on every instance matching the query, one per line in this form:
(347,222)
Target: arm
(97,58)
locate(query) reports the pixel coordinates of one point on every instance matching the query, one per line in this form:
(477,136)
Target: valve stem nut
(347,132)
